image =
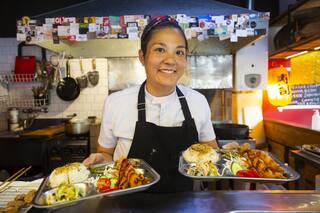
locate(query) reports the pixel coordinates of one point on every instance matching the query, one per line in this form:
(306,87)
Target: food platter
(222,173)
(18,195)
(88,189)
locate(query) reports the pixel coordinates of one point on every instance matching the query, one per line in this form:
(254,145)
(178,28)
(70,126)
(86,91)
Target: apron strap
(184,105)
(141,106)
(141,103)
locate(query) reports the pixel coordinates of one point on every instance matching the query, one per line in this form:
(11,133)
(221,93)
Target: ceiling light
(317,48)
(300,53)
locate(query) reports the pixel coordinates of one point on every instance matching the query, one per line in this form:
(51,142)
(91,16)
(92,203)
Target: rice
(200,153)
(68,174)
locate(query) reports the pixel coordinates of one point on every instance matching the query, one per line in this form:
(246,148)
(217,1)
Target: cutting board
(46,132)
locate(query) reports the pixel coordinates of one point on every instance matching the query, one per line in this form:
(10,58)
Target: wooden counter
(285,136)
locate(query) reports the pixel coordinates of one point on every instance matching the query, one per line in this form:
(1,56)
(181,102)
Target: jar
(13,116)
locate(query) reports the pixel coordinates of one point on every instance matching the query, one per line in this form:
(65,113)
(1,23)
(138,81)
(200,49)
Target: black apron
(162,146)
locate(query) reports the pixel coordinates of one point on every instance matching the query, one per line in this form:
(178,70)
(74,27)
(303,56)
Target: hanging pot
(68,88)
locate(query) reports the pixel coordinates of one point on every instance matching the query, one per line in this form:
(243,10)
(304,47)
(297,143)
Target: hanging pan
(68,89)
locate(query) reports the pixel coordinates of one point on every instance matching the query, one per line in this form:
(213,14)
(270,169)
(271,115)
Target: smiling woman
(164,60)
(159,119)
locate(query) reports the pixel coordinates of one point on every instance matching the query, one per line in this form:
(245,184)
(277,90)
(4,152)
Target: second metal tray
(91,192)
(291,174)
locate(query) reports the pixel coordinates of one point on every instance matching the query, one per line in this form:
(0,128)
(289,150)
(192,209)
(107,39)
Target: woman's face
(165,60)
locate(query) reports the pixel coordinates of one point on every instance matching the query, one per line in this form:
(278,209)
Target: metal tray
(314,148)
(91,192)
(290,173)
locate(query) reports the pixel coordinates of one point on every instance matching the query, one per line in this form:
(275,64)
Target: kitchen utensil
(93,76)
(12,178)
(68,89)
(77,126)
(82,80)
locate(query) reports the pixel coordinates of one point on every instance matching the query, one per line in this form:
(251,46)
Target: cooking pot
(231,131)
(77,126)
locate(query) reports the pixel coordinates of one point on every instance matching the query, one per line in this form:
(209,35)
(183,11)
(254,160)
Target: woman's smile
(167,71)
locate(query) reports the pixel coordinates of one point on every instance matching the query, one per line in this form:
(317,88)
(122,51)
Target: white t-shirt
(120,115)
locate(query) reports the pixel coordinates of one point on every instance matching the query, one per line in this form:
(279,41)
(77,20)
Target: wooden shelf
(303,45)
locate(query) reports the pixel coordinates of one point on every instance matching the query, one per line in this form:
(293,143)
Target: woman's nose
(170,58)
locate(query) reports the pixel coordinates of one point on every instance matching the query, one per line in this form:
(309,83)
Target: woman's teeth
(167,71)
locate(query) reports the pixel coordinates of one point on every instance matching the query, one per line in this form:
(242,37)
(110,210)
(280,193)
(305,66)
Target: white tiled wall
(89,103)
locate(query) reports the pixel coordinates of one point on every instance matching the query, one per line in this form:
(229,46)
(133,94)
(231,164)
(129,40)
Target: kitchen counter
(215,201)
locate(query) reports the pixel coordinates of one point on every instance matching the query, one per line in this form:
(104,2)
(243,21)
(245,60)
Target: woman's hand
(94,158)
(104,155)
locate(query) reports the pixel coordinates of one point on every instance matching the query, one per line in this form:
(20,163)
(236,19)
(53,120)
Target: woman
(159,119)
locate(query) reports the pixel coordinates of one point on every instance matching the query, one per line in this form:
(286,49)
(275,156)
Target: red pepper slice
(109,189)
(248,173)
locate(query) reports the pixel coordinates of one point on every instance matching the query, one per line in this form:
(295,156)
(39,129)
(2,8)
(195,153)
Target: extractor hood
(128,48)
(146,7)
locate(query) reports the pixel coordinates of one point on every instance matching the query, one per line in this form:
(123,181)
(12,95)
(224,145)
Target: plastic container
(315,123)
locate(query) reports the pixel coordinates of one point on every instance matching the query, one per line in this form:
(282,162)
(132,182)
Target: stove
(63,149)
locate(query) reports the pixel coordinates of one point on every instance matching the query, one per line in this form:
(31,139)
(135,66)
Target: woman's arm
(107,152)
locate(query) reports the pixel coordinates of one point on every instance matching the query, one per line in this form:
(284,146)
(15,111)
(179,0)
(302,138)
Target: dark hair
(156,23)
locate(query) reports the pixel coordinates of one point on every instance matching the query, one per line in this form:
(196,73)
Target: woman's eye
(160,50)
(180,53)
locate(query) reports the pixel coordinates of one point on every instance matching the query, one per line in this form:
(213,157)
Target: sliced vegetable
(248,173)
(235,167)
(114,182)
(103,184)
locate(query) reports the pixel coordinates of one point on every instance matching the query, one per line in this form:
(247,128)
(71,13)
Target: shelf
(19,102)
(280,109)
(17,78)
(303,45)
(282,19)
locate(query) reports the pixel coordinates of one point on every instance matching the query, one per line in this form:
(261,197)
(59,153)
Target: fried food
(263,163)
(128,177)
(20,201)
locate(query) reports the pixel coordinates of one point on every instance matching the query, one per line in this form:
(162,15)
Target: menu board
(306,94)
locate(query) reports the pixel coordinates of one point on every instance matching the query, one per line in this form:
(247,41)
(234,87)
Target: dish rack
(17,78)
(19,102)
(10,101)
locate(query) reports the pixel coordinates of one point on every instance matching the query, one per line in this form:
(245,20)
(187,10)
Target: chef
(159,119)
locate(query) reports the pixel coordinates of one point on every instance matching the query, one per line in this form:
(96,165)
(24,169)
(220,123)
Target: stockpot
(77,126)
